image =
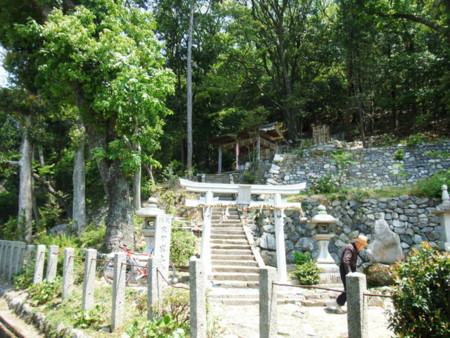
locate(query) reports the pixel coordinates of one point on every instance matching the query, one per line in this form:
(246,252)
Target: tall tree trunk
(137,185)
(119,221)
(189,89)
(79,188)
(25,185)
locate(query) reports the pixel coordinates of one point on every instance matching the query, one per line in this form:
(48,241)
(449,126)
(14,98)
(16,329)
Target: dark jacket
(348,258)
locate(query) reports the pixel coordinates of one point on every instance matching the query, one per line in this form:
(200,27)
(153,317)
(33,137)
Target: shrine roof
(270,132)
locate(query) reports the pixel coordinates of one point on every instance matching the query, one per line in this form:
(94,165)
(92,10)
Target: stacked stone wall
(373,167)
(412,218)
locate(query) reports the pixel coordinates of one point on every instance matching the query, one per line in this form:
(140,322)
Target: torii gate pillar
(279,240)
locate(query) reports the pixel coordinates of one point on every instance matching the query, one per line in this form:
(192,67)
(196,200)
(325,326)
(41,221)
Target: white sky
(3,73)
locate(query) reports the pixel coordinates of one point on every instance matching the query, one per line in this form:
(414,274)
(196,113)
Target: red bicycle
(136,269)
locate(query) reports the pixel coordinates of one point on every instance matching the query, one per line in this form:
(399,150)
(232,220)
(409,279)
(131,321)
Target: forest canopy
(97,100)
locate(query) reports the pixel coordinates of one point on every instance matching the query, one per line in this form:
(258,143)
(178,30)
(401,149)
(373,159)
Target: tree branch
(52,191)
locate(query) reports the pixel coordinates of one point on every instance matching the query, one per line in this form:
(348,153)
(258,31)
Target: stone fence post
(357,306)
(118,291)
(52,262)
(2,256)
(39,264)
(90,265)
(197,296)
(267,302)
(67,283)
(154,285)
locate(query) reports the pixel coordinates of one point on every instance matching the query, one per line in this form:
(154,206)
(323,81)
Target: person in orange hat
(348,264)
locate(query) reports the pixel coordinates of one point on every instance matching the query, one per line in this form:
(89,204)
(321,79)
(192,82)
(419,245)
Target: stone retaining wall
(408,216)
(374,167)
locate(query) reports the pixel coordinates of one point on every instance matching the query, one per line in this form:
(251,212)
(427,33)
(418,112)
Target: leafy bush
(306,270)
(23,278)
(414,140)
(307,273)
(420,297)
(89,318)
(323,184)
(165,327)
(175,304)
(45,292)
(248,177)
(93,237)
(431,187)
(182,246)
(399,155)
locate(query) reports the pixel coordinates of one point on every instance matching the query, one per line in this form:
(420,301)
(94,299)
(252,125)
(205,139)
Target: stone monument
(385,245)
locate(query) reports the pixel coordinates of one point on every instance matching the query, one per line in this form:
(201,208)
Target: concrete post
(279,240)
(155,285)
(21,256)
(2,256)
(7,262)
(90,265)
(39,264)
(67,282)
(118,292)
(357,306)
(267,303)
(13,252)
(29,255)
(52,262)
(197,295)
(205,253)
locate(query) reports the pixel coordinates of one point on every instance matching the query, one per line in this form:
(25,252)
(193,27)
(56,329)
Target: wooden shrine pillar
(219,161)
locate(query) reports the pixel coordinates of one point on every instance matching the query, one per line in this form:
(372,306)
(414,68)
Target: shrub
(89,318)
(165,327)
(323,184)
(414,140)
(23,278)
(306,270)
(45,292)
(175,304)
(432,186)
(420,297)
(182,246)
(399,155)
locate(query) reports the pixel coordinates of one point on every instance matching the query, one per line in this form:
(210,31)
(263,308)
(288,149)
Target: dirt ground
(296,321)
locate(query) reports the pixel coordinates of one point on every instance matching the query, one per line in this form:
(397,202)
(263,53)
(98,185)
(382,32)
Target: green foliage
(24,278)
(306,270)
(183,246)
(307,273)
(325,184)
(301,257)
(437,154)
(164,327)
(93,237)
(90,318)
(248,177)
(399,155)
(11,230)
(175,304)
(45,292)
(432,186)
(414,140)
(420,297)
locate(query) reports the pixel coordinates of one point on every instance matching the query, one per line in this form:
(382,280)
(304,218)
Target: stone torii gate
(244,202)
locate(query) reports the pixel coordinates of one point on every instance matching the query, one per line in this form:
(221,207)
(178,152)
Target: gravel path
(295,321)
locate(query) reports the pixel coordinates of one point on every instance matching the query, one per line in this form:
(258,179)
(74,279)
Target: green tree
(103,58)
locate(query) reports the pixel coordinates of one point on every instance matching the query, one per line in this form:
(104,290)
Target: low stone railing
(14,256)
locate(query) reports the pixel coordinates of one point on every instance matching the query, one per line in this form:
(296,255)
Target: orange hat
(363,240)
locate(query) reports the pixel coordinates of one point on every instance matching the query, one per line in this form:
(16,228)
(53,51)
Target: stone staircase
(232,260)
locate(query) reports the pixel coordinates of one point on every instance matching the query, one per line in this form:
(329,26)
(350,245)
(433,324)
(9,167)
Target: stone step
(229,241)
(231,257)
(235,284)
(235,276)
(232,252)
(233,268)
(230,236)
(238,262)
(228,231)
(230,246)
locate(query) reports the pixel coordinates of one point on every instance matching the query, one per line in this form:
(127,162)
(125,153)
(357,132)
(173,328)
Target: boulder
(61,229)
(385,247)
(379,275)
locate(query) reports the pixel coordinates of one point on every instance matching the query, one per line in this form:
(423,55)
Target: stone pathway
(301,318)
(295,321)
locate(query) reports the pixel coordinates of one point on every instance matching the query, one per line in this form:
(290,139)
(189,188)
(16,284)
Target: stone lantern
(149,212)
(443,210)
(322,222)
